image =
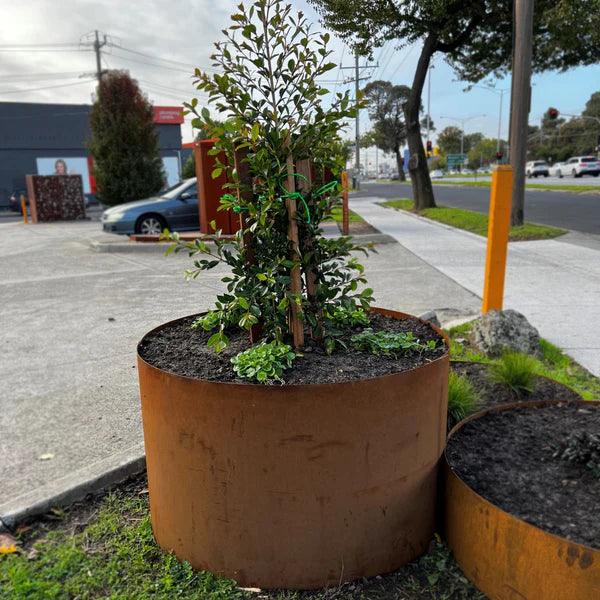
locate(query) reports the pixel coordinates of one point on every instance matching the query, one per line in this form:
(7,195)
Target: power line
(145,62)
(41,76)
(48,87)
(151,56)
(45,49)
(402,61)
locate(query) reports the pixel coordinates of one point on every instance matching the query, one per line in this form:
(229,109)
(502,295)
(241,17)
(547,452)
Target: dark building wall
(29,131)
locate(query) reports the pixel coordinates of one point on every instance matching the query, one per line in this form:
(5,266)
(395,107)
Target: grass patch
(516,371)
(552,363)
(561,187)
(336,215)
(463,399)
(105,549)
(475,222)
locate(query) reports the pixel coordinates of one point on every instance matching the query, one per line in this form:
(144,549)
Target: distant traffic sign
(454,160)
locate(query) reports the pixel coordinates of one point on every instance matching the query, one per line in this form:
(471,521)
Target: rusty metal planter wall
(507,558)
(297,486)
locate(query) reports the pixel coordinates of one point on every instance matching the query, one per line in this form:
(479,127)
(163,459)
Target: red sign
(168,115)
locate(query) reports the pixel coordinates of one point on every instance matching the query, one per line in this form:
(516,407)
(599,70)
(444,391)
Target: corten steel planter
(297,486)
(507,558)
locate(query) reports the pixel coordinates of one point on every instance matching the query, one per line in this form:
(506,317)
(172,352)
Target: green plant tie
(298,196)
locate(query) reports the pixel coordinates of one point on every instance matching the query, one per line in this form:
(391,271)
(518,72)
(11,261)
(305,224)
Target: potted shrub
(293,432)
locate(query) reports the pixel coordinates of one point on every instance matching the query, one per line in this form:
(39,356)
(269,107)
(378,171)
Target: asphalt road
(579,212)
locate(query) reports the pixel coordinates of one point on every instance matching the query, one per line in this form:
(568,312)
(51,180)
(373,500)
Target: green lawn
(476,222)
(106,549)
(552,362)
(530,186)
(336,215)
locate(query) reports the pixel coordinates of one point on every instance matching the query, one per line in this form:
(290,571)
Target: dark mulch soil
(182,350)
(507,458)
(494,393)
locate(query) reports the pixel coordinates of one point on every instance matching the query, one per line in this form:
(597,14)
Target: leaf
(8,544)
(216,172)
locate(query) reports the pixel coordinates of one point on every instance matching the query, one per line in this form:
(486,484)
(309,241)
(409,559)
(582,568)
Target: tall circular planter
(506,557)
(297,486)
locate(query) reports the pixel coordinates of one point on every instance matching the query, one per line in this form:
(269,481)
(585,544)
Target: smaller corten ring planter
(296,486)
(506,557)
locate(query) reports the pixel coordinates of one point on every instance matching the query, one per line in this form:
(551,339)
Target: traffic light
(429,148)
(552,113)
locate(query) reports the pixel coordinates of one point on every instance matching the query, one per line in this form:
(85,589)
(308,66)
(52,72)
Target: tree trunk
(419,172)
(400,164)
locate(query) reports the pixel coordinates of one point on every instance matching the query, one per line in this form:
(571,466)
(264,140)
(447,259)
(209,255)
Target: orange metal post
(345,210)
(497,244)
(24,209)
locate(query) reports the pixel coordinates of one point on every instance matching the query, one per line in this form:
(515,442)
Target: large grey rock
(497,331)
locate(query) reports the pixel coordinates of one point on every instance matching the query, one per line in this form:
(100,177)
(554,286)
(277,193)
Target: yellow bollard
(345,210)
(24,209)
(497,243)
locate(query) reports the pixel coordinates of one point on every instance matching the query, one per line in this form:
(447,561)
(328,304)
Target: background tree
(475,36)
(124,143)
(189,168)
(385,103)
(483,152)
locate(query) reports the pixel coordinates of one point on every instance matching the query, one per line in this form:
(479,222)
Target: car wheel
(150,225)
(574,173)
(545,174)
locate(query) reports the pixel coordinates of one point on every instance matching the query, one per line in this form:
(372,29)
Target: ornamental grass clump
(516,371)
(279,145)
(463,399)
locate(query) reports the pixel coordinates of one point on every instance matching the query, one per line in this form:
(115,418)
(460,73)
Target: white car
(557,170)
(537,168)
(578,166)
(437,174)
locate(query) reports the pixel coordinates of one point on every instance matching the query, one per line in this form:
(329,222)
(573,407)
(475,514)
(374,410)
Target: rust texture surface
(55,197)
(507,558)
(295,486)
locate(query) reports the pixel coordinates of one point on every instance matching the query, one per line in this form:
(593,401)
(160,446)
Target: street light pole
(428,100)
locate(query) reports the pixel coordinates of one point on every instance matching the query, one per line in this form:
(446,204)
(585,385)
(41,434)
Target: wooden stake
(296,324)
(345,209)
(245,192)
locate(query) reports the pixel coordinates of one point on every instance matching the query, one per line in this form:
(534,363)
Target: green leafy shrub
(264,362)
(582,448)
(266,87)
(389,343)
(463,399)
(352,317)
(516,371)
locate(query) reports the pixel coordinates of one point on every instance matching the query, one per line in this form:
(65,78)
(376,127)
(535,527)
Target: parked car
(557,170)
(578,166)
(175,209)
(437,174)
(537,168)
(14,201)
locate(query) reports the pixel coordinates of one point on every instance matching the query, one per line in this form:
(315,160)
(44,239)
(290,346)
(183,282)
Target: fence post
(24,208)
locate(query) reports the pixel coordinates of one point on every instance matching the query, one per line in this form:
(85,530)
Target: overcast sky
(182,32)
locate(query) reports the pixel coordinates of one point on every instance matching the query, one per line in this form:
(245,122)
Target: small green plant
(517,371)
(463,399)
(582,448)
(388,343)
(349,317)
(264,362)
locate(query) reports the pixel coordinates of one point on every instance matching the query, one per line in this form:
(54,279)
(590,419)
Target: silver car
(175,209)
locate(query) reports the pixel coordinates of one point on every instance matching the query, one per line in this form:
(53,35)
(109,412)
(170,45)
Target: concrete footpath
(70,319)
(554,283)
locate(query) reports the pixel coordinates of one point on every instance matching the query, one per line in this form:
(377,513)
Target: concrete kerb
(76,486)
(161,247)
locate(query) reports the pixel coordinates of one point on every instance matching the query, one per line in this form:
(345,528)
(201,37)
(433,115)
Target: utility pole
(357,79)
(520,103)
(98,45)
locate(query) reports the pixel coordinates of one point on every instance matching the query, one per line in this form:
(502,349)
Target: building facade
(44,139)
